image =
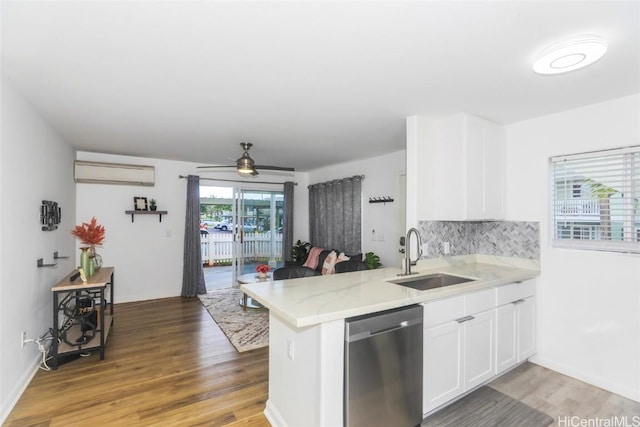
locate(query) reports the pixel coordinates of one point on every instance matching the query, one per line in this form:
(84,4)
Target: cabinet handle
(520,301)
(465,319)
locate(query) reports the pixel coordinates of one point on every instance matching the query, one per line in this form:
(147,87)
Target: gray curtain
(335,214)
(192,273)
(287,229)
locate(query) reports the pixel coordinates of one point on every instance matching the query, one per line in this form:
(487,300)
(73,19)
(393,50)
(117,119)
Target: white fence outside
(217,248)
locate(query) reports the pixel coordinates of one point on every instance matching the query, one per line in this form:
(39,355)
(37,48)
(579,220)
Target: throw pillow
(342,257)
(312,259)
(329,263)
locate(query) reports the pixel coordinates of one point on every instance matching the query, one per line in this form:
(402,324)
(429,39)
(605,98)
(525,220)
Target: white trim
(273,415)
(14,395)
(597,153)
(586,377)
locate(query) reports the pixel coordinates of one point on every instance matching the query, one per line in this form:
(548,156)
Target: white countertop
(314,300)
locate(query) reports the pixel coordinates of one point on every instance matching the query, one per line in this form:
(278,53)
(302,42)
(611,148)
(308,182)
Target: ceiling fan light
(245,165)
(570,54)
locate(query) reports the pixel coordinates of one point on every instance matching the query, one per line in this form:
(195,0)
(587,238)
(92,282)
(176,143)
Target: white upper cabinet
(455,168)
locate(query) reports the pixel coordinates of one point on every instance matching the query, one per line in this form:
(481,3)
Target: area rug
(247,330)
(489,408)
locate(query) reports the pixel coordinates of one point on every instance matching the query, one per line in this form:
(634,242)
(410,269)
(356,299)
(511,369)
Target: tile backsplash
(502,238)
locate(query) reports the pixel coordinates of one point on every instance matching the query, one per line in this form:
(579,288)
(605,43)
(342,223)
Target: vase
(85,260)
(96,258)
(262,276)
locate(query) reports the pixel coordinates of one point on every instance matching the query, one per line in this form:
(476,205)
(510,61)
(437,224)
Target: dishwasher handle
(403,324)
(368,333)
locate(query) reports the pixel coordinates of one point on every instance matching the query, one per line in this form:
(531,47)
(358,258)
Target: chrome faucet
(407,252)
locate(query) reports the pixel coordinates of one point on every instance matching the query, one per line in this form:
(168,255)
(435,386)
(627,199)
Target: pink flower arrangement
(263,268)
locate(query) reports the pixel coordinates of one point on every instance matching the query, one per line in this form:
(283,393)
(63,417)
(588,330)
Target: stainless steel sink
(431,281)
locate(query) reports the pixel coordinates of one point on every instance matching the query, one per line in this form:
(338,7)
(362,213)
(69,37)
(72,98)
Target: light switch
(290,349)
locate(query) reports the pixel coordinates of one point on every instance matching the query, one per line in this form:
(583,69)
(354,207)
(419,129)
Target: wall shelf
(134,213)
(41,263)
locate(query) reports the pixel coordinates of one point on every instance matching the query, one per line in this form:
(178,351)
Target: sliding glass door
(240,228)
(258,217)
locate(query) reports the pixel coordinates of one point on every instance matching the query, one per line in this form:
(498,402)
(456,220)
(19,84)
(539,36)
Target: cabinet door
(493,173)
(442,364)
(479,348)
(484,168)
(506,337)
(526,328)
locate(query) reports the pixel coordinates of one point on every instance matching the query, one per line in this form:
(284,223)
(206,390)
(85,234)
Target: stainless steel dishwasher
(383,368)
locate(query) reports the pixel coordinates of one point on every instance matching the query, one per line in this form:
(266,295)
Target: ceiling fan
(245,164)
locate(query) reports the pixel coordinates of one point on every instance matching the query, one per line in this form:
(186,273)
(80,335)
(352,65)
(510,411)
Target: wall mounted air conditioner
(113,173)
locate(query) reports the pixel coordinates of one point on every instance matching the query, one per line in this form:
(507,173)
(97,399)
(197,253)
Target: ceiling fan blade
(275,168)
(217,166)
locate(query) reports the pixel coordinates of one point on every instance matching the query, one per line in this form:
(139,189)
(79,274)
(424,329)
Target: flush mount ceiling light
(570,54)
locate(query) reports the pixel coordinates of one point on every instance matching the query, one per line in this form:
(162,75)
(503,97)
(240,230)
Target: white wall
(588,302)
(382,178)
(35,165)
(147,254)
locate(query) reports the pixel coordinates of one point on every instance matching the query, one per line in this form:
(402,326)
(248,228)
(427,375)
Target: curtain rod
(237,180)
(334,181)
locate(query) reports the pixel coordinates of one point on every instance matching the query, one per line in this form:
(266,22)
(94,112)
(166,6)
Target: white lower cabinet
(442,369)
(471,338)
(515,325)
(479,349)
(526,328)
(459,351)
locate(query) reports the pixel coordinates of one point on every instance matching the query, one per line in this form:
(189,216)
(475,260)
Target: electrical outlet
(446,248)
(23,338)
(425,249)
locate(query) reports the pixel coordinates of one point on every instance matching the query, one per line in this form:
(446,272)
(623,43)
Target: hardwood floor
(168,364)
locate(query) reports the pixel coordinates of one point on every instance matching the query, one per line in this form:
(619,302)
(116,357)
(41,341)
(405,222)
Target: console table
(80,324)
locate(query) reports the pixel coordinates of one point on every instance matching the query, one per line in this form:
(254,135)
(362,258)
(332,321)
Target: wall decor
(140,203)
(50,215)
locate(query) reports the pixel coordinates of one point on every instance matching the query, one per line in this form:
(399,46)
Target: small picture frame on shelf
(140,203)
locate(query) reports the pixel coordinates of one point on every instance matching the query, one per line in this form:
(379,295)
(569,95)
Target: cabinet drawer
(515,291)
(444,310)
(479,301)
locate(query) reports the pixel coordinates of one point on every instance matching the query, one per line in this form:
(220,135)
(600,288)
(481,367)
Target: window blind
(596,200)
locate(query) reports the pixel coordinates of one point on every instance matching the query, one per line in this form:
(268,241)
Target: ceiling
(310,83)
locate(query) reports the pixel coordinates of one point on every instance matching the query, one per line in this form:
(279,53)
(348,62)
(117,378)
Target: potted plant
(300,251)
(372,260)
(152,205)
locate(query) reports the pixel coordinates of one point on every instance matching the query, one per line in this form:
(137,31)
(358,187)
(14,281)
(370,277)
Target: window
(596,200)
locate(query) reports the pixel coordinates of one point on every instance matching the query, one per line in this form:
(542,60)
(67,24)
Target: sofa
(321,261)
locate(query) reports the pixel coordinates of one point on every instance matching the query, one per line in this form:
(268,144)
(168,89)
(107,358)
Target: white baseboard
(587,377)
(14,395)
(273,415)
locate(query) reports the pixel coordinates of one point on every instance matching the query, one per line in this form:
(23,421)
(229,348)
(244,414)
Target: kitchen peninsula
(307,321)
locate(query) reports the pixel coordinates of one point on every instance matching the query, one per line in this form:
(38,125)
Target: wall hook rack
(383,199)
